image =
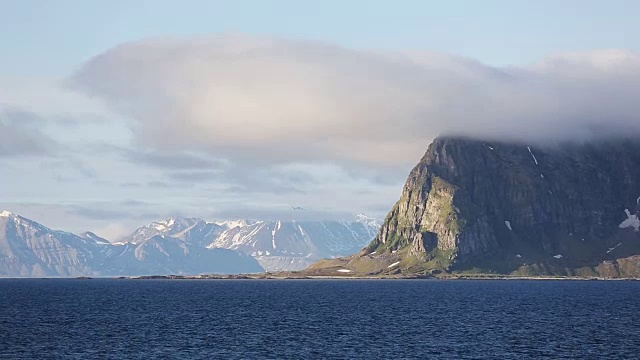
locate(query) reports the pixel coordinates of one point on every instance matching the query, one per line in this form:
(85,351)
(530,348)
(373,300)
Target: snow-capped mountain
(28,248)
(31,249)
(294,245)
(168,255)
(369,221)
(178,246)
(88,235)
(277,245)
(191,230)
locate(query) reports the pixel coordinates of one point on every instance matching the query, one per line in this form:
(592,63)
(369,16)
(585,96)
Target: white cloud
(257,125)
(114,232)
(20,135)
(48,97)
(276,101)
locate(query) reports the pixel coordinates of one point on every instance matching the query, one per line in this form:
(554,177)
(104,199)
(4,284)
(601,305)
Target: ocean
(318,319)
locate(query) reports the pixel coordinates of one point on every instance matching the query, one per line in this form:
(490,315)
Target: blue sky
(119,112)
(497,32)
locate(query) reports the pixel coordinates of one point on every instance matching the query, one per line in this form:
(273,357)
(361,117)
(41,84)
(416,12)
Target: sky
(117,113)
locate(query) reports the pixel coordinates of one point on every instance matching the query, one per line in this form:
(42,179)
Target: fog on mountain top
(277,101)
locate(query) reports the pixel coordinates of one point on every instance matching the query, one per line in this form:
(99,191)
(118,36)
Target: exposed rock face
(512,207)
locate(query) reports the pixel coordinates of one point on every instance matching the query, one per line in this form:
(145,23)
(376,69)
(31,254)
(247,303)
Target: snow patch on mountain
(179,246)
(368,221)
(631,221)
(29,249)
(231,224)
(294,245)
(533,156)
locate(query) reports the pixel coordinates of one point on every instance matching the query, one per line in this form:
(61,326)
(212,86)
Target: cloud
(110,220)
(52,99)
(113,210)
(193,176)
(269,101)
(171,160)
(96,213)
(113,232)
(238,179)
(281,214)
(20,135)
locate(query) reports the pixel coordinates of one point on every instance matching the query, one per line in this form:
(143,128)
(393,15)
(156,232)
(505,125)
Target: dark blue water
(318,319)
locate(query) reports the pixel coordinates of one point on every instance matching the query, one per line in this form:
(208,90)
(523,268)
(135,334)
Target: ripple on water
(356,319)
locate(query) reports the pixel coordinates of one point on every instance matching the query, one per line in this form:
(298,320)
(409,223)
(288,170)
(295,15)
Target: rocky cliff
(470,205)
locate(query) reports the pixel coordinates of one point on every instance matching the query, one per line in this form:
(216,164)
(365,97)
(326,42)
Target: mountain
(191,230)
(492,207)
(294,245)
(30,249)
(277,245)
(167,255)
(88,235)
(177,246)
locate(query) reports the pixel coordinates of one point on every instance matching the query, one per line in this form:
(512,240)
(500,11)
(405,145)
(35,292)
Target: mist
(270,100)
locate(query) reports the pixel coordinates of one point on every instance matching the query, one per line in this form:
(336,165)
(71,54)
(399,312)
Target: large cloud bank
(266,100)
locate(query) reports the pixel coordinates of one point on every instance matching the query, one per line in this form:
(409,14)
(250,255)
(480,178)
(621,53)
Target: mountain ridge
(277,245)
(497,207)
(178,245)
(29,249)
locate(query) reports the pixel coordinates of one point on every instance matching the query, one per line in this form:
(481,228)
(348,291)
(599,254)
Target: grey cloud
(111,220)
(193,176)
(21,135)
(160,159)
(268,187)
(131,184)
(158,184)
(96,213)
(247,179)
(68,167)
(134,203)
(138,185)
(266,180)
(113,211)
(82,167)
(83,210)
(384,175)
(260,100)
(283,214)
(171,160)
(23,117)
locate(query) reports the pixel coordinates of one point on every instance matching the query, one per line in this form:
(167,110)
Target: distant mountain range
(277,245)
(177,246)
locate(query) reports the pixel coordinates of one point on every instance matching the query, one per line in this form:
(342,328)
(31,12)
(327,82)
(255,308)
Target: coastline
(384,277)
(275,276)
(302,276)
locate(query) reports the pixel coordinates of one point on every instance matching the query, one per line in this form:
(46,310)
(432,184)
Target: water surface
(341,319)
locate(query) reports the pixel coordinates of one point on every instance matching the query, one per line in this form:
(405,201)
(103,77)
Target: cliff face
(511,208)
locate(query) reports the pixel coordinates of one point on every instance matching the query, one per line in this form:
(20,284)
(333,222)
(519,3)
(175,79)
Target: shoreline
(330,277)
(406,277)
